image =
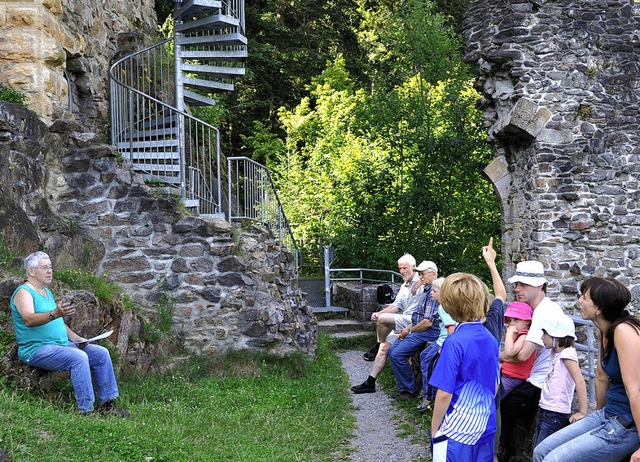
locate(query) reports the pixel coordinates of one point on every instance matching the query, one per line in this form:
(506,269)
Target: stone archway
(560,85)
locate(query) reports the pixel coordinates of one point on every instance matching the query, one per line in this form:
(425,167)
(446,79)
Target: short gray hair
(32,261)
(408,259)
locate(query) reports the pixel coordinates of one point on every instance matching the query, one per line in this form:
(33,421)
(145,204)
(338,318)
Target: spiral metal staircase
(153,90)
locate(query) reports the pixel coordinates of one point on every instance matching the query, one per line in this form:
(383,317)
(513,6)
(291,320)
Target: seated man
(45,341)
(424,329)
(396,317)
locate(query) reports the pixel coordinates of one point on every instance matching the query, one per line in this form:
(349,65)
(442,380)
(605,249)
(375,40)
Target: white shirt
(405,301)
(545,310)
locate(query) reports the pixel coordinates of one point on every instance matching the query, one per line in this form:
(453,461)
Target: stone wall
(58,53)
(232,287)
(560,91)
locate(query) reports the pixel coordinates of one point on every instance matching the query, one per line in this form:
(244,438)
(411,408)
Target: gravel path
(378,421)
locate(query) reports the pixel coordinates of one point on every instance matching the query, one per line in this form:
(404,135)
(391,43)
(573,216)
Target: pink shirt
(558,388)
(519,370)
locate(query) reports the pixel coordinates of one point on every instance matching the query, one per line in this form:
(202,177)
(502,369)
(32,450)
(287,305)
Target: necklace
(41,292)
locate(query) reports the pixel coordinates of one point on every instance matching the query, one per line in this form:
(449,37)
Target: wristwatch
(51,315)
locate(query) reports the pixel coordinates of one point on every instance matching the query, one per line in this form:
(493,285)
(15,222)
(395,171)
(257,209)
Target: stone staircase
(345,328)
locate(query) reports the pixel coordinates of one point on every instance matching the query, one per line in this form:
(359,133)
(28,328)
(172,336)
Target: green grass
(254,409)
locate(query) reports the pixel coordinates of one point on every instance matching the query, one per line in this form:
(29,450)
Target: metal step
(233,38)
(162,122)
(158,133)
(222,71)
(224,55)
(155,155)
(151,168)
(136,145)
(191,203)
(196,99)
(216,21)
(207,84)
(191,8)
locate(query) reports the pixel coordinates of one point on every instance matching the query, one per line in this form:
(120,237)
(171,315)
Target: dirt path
(378,421)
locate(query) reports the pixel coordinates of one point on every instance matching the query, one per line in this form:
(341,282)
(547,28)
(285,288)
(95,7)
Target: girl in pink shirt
(562,379)
(518,320)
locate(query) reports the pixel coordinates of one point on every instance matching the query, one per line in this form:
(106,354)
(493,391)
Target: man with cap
(428,272)
(519,408)
(424,329)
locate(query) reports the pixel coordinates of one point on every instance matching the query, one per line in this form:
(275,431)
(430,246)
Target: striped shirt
(468,369)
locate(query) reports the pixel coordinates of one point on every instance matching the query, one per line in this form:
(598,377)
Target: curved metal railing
(252,196)
(168,146)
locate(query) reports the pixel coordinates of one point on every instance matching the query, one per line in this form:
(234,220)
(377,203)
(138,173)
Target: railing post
(327,278)
(591,369)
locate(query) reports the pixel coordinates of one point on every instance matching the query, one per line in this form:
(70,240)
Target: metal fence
(252,196)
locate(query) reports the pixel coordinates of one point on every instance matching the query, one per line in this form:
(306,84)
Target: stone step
(342,326)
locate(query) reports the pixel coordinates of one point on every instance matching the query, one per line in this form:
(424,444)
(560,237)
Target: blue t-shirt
(469,369)
(445,320)
(30,339)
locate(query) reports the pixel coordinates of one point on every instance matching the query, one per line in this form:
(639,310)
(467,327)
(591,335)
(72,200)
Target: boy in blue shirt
(466,376)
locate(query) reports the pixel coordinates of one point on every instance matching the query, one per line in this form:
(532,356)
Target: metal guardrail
(252,196)
(166,145)
(591,349)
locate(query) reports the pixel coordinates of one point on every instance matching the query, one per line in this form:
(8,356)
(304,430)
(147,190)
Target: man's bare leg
(384,325)
(369,385)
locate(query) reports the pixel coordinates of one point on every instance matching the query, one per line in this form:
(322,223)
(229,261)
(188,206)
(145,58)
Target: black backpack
(385,294)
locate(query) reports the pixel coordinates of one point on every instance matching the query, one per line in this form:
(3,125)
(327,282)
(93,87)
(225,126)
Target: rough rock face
(58,53)
(560,90)
(229,286)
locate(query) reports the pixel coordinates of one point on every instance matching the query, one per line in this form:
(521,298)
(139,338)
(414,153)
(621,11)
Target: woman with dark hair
(610,433)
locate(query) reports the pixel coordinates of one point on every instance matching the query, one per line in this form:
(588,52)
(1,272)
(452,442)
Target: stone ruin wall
(232,286)
(64,190)
(560,90)
(58,52)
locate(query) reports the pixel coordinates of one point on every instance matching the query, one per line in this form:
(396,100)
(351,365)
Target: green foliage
(106,291)
(381,174)
(12,96)
(293,409)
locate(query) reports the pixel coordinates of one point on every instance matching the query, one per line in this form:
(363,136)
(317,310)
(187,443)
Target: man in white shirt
(394,317)
(519,407)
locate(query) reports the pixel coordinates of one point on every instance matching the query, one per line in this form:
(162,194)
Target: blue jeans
(400,352)
(549,422)
(427,363)
(596,438)
(92,358)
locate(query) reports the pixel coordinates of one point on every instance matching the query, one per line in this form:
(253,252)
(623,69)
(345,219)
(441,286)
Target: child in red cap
(518,320)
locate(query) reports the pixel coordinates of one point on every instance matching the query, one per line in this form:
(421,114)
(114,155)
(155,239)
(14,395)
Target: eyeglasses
(46,268)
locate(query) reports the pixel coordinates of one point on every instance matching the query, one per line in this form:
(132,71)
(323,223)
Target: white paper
(97,337)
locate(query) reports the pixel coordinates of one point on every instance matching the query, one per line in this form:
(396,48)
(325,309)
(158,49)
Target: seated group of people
(481,395)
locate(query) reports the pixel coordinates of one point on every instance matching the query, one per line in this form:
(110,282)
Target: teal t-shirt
(30,339)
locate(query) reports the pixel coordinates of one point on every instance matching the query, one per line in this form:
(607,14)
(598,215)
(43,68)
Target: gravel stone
(378,421)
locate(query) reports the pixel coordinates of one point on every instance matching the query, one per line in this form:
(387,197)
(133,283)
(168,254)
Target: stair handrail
(127,100)
(253,196)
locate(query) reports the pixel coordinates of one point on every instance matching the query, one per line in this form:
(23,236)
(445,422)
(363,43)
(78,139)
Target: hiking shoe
(368,356)
(112,409)
(371,354)
(404,396)
(425,406)
(364,387)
